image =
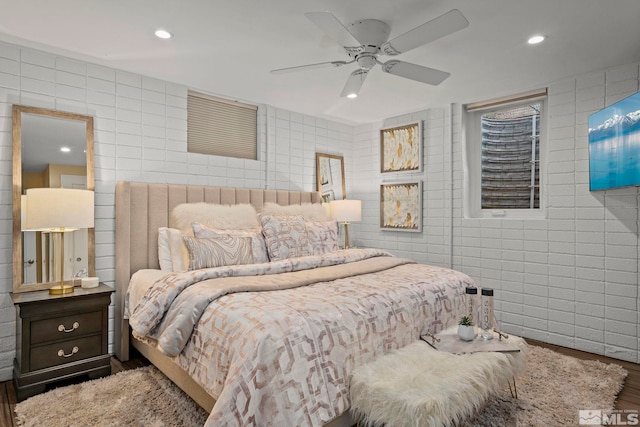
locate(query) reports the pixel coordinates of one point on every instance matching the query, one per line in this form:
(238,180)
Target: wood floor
(629,397)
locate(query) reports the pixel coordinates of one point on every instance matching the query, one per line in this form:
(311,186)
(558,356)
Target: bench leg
(514,391)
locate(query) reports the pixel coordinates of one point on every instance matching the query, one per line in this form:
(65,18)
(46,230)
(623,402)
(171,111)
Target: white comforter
(283,357)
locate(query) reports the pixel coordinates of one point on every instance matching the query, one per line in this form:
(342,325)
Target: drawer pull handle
(61,328)
(73,351)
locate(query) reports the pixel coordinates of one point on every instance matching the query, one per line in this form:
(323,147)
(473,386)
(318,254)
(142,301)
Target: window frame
(472,156)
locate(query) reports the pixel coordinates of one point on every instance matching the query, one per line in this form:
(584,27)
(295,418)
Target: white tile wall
(569,279)
(433,244)
(140,134)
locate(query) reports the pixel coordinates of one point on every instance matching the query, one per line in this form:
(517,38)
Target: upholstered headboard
(141,208)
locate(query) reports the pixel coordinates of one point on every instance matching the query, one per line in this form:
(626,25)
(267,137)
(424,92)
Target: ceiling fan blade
(415,72)
(310,67)
(328,23)
(441,26)
(354,83)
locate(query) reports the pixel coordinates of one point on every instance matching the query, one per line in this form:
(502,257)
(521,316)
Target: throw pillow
(258,246)
(323,236)
(227,250)
(285,236)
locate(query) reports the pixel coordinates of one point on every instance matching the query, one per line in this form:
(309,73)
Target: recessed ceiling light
(352,95)
(65,149)
(163,34)
(536,39)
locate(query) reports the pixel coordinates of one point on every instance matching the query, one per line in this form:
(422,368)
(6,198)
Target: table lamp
(58,211)
(345,211)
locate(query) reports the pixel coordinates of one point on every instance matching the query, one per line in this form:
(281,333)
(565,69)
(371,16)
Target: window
(503,153)
(221,127)
(510,158)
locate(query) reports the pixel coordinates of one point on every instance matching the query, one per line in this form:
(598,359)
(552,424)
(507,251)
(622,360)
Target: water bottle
(487,313)
(471,296)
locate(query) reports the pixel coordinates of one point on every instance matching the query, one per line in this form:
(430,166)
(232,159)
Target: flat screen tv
(614,145)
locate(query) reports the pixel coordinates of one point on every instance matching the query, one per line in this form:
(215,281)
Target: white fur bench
(420,386)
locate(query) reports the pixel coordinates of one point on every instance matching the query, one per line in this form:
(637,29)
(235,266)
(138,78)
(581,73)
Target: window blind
(221,127)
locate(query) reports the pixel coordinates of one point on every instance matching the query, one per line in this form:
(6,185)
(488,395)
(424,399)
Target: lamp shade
(346,210)
(55,208)
(327,209)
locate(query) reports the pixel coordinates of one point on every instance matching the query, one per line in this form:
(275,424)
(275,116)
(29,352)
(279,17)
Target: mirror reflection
(330,177)
(54,150)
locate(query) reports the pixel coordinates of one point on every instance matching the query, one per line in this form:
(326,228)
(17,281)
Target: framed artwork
(401,206)
(328,196)
(401,148)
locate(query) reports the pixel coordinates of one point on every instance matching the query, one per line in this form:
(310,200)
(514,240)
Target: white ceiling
(228,47)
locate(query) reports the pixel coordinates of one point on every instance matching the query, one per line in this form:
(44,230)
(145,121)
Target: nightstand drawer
(60,337)
(65,352)
(66,327)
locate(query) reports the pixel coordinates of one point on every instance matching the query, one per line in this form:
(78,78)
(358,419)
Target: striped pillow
(226,250)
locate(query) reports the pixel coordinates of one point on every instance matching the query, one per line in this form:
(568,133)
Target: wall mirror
(50,149)
(330,177)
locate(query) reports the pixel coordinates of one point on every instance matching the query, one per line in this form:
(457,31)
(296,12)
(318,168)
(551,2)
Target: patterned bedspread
(284,357)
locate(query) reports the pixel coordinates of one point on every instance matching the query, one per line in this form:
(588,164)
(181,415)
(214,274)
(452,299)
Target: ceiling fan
(366,39)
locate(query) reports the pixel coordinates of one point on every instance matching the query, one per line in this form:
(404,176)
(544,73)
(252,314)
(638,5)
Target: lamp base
(347,245)
(61,289)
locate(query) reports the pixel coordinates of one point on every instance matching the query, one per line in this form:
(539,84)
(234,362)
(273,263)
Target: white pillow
(309,211)
(233,217)
(258,246)
(172,252)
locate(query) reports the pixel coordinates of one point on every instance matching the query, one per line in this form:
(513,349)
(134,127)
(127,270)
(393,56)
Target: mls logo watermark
(600,417)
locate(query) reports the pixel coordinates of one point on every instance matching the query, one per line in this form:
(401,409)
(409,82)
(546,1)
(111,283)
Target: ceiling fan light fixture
(366,39)
(354,83)
(536,39)
(163,34)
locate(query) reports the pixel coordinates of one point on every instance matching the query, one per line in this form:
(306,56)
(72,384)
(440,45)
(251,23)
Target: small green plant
(465,321)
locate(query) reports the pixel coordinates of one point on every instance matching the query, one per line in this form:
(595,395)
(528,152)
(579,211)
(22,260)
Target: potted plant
(466,331)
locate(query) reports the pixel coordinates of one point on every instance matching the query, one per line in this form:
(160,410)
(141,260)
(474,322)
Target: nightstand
(60,337)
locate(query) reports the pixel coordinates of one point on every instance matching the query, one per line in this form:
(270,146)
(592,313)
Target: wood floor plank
(7,404)
(553,347)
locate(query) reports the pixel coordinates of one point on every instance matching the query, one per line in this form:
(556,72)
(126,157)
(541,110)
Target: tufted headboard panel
(141,208)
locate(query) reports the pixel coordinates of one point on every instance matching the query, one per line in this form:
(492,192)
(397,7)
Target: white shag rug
(551,390)
(420,386)
(134,398)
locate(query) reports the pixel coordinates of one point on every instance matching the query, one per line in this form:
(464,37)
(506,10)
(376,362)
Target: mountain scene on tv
(614,145)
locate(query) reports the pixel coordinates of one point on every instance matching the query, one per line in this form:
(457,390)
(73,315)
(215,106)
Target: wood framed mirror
(330,177)
(38,161)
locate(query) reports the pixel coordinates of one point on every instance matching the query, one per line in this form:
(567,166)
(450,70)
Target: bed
(267,343)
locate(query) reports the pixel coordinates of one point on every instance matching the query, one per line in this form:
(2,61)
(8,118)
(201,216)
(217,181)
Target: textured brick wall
(140,134)
(570,278)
